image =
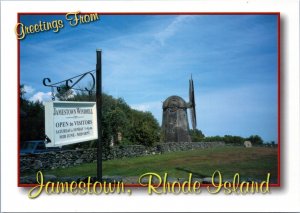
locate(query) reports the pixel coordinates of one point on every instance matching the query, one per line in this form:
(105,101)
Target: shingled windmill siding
(175,122)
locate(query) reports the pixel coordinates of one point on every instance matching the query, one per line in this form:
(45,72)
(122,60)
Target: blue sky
(147,58)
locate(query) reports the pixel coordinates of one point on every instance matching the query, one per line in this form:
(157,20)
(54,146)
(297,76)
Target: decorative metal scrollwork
(70,83)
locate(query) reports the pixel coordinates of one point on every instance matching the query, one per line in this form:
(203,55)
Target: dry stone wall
(68,158)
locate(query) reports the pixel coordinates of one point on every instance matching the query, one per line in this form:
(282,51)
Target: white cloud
(141,107)
(41,96)
(171,29)
(149,106)
(28,89)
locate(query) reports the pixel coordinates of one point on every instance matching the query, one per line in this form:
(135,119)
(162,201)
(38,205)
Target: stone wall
(62,159)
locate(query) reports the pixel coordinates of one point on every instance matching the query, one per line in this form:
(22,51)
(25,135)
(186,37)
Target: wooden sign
(70,122)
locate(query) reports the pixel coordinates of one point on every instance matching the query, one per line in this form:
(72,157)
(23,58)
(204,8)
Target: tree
(196,135)
(255,140)
(212,139)
(117,122)
(144,128)
(31,119)
(235,140)
(64,93)
(22,92)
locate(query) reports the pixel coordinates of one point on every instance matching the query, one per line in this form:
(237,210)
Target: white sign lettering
(70,122)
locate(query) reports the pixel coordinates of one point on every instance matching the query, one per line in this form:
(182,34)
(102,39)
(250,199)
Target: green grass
(253,162)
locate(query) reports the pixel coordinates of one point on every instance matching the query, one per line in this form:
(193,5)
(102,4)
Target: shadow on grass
(195,174)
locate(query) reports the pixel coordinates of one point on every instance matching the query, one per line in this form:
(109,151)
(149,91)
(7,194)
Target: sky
(147,58)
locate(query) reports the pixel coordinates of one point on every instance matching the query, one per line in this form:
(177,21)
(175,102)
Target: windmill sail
(193,104)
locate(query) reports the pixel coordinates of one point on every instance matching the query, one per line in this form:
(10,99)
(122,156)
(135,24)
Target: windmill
(175,125)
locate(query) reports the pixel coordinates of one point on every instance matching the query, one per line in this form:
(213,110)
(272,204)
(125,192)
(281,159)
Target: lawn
(253,162)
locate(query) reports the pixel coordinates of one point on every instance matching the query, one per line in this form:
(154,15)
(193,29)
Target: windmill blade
(194,121)
(193,104)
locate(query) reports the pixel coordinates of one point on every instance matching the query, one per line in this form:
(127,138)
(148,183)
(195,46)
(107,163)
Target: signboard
(70,122)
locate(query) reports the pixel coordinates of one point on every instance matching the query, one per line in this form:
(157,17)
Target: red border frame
(164,13)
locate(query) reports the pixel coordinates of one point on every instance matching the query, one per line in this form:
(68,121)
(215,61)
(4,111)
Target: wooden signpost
(74,122)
